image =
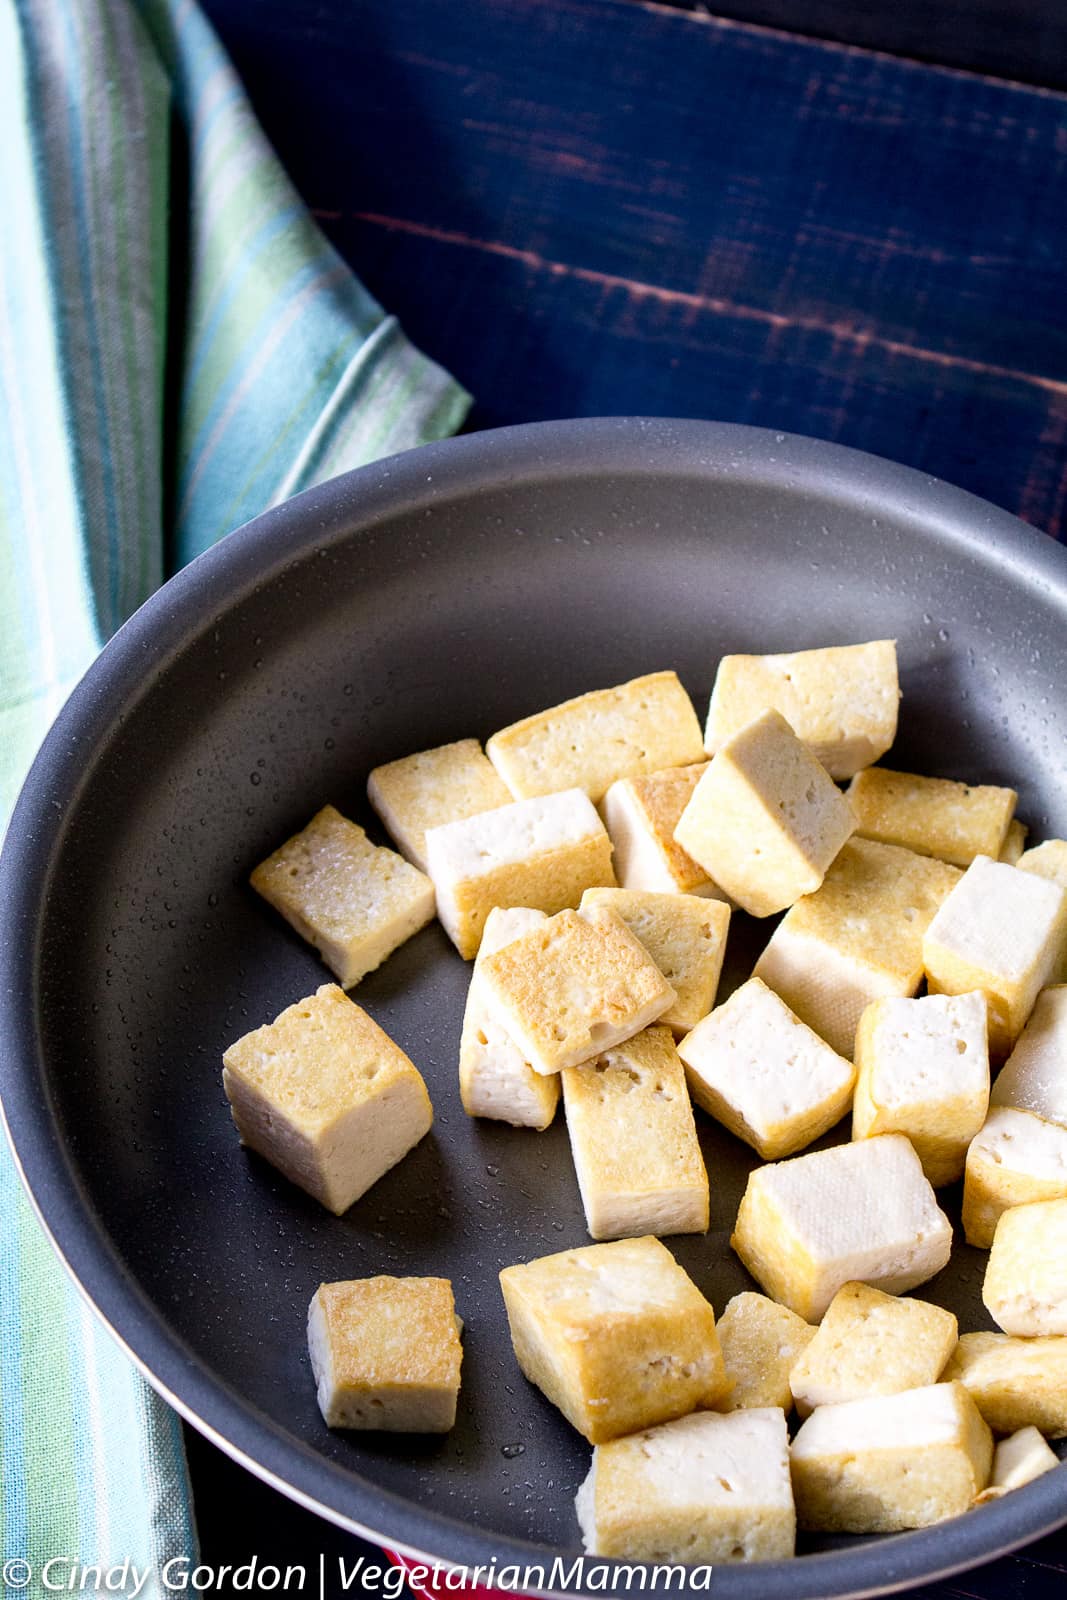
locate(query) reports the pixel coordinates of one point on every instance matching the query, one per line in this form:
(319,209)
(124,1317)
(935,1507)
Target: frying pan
(430,597)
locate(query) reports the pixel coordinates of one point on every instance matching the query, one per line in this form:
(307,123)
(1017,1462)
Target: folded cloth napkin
(179,349)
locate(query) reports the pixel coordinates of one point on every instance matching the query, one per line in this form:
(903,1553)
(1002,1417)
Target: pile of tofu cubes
(589,862)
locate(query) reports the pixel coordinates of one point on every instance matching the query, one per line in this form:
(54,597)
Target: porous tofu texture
(385,1354)
(1048,860)
(764,1074)
(495,1078)
(641,815)
(616,1335)
(1016,1158)
(571,989)
(684,934)
(765,821)
(433,787)
(1015,1383)
(932,816)
(1025,1285)
(542,854)
(703,1489)
(634,1141)
(872,1343)
(854,1213)
(841,700)
(591,742)
(761,1342)
(857,938)
(923,1069)
(889,1463)
(1001,930)
(326,1096)
(1017,1460)
(353,900)
(1034,1077)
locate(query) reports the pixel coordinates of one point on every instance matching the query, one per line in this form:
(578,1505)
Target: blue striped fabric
(177,353)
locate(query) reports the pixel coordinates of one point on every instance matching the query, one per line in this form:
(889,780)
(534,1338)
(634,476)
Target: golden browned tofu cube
(932,816)
(495,1078)
(872,1343)
(1014,846)
(761,1342)
(324,1095)
(1025,1284)
(1048,860)
(385,1354)
(1015,1383)
(432,787)
(641,815)
(616,1335)
(683,933)
(1016,1158)
(353,900)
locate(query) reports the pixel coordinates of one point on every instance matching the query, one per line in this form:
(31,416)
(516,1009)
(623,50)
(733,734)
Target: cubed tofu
(385,1354)
(616,1335)
(892,1462)
(641,815)
(326,1097)
(872,1343)
(1018,1460)
(1015,1383)
(433,787)
(765,820)
(761,1342)
(1048,860)
(1025,1284)
(353,900)
(704,1489)
(634,1141)
(1003,931)
(923,1069)
(571,989)
(591,742)
(842,700)
(542,854)
(1014,846)
(684,934)
(764,1074)
(932,816)
(1016,1158)
(860,1213)
(495,1078)
(857,938)
(1034,1077)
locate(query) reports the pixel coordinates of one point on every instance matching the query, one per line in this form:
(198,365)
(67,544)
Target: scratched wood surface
(600,206)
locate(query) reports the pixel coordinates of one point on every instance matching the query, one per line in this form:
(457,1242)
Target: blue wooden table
(599,206)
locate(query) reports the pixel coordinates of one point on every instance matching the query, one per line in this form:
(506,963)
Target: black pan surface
(430,597)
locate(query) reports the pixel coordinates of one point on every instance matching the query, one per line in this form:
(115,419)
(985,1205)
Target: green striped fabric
(176,354)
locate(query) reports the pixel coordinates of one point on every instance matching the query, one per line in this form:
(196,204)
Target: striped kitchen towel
(179,349)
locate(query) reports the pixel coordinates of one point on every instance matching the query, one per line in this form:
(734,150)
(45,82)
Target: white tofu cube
(641,815)
(1016,1158)
(433,787)
(1018,1460)
(684,934)
(495,1079)
(1034,1077)
(1025,1284)
(764,1074)
(855,1213)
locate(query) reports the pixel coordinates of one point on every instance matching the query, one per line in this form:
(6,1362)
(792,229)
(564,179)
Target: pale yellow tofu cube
(1015,1383)
(857,938)
(765,820)
(353,900)
(591,742)
(932,816)
(1014,846)
(495,1079)
(1048,860)
(923,1069)
(841,700)
(324,1095)
(641,815)
(872,1343)
(634,1141)
(860,1213)
(1034,1077)
(1025,1284)
(764,1074)
(385,1354)
(542,854)
(571,989)
(704,1490)
(1018,1460)
(432,787)
(684,934)
(616,1335)
(1003,931)
(1016,1158)
(761,1342)
(892,1462)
